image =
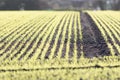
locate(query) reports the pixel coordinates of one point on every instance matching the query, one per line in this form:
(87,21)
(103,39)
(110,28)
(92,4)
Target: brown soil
(93,42)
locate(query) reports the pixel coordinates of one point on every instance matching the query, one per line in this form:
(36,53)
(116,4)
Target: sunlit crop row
(35,36)
(109,25)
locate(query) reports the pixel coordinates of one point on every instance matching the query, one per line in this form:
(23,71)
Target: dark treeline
(97,4)
(22,4)
(59,4)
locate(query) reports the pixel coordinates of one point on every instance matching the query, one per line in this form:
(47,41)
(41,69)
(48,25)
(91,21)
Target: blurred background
(59,4)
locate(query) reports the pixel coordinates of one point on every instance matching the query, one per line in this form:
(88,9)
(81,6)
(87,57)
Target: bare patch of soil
(94,44)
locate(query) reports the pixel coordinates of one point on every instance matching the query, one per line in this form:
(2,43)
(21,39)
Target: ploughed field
(60,45)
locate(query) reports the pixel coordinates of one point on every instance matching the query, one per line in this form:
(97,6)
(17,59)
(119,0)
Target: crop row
(33,36)
(109,26)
